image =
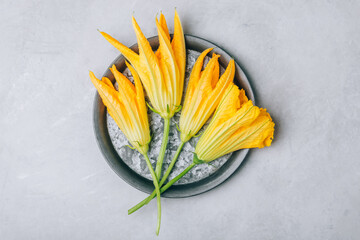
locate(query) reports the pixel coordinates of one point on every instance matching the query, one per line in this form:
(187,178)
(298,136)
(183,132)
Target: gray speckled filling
(136,161)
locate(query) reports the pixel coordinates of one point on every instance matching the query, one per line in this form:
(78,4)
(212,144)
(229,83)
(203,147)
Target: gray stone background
(303,61)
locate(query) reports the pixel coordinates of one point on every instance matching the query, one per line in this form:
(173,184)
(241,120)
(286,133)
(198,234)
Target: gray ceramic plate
(142,183)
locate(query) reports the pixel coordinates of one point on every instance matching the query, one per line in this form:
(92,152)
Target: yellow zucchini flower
(203,94)
(162,73)
(127,107)
(236,124)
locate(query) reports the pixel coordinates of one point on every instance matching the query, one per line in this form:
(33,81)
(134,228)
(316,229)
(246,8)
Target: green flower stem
(163,148)
(163,189)
(166,174)
(157,190)
(168,170)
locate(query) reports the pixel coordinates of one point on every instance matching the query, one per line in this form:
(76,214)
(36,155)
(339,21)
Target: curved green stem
(163,148)
(168,170)
(166,174)
(164,188)
(157,190)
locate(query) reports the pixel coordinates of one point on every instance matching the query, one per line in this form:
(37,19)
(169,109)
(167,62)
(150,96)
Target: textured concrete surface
(303,61)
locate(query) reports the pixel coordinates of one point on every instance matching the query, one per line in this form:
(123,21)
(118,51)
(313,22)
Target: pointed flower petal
(164,25)
(127,52)
(178,45)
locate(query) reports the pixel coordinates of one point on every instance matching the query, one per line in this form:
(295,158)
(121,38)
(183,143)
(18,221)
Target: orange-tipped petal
(228,105)
(144,46)
(149,70)
(140,97)
(164,25)
(169,68)
(204,84)
(195,76)
(178,46)
(229,73)
(129,54)
(123,83)
(215,75)
(107,82)
(243,98)
(225,81)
